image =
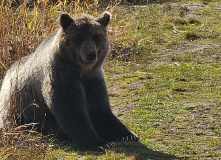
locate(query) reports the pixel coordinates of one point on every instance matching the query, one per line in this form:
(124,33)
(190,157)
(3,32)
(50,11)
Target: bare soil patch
(189,48)
(122,53)
(191,6)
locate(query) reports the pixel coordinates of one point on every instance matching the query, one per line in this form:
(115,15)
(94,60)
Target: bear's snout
(91,55)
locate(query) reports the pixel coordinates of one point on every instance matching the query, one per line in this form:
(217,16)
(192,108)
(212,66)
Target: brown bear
(62,83)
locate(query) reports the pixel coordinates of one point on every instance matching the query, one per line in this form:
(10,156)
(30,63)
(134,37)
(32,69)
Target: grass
(163,74)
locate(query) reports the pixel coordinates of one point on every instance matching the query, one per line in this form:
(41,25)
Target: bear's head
(84,39)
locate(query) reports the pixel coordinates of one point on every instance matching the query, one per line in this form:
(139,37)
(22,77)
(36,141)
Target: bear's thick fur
(62,83)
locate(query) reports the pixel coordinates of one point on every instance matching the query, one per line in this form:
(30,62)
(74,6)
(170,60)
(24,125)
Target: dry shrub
(23,29)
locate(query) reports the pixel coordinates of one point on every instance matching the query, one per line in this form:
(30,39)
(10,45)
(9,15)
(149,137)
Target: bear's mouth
(89,61)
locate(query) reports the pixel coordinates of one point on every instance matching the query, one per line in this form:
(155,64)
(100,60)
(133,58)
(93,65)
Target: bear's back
(22,84)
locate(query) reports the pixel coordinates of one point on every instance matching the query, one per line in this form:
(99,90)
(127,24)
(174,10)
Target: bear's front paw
(106,146)
(129,137)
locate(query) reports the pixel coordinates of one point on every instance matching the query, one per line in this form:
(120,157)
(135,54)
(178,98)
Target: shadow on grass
(130,149)
(141,152)
(135,149)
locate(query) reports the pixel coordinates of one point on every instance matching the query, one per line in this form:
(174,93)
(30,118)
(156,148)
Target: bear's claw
(106,146)
(130,138)
(100,148)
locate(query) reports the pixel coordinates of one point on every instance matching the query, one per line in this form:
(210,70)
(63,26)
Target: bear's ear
(104,18)
(65,21)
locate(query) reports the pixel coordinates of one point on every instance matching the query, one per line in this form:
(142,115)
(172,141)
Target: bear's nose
(91,55)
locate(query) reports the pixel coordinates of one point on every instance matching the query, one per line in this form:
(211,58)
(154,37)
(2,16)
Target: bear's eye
(96,37)
(80,38)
